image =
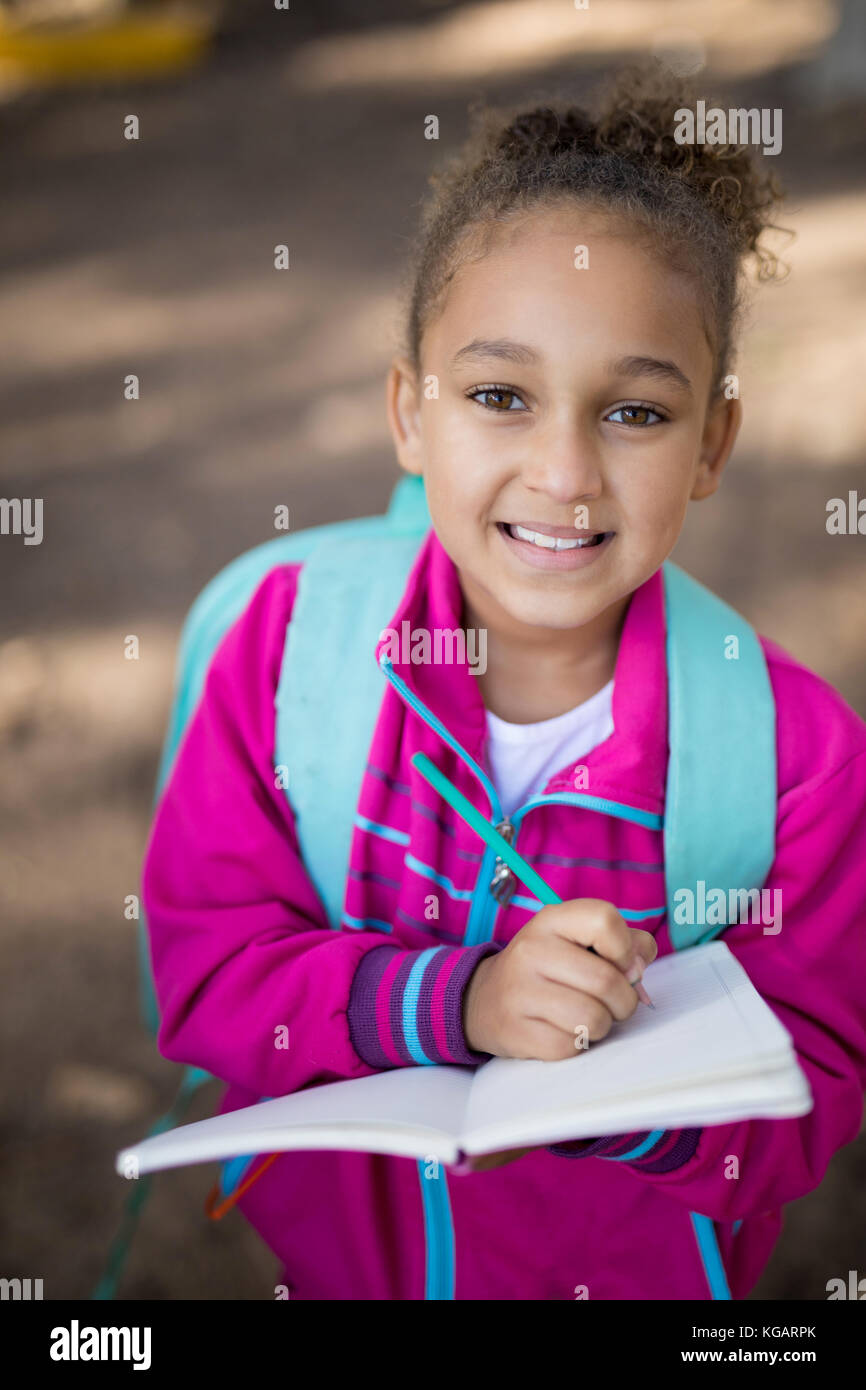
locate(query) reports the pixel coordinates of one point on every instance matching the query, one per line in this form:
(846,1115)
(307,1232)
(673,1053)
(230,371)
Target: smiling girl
(562,393)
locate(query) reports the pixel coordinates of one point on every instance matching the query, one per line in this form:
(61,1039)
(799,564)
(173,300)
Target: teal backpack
(720,798)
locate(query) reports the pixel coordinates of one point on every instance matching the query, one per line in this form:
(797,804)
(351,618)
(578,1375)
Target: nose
(565,465)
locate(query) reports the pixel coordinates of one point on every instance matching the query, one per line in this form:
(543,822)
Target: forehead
(529,278)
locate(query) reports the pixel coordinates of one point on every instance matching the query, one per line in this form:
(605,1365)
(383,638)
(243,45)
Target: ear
(404,422)
(721,428)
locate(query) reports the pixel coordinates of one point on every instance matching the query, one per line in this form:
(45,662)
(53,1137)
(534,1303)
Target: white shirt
(522,758)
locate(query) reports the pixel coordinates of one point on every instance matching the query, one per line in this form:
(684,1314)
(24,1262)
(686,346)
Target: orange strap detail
(216,1213)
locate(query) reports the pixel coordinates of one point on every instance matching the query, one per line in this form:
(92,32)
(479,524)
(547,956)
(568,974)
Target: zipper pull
(503,882)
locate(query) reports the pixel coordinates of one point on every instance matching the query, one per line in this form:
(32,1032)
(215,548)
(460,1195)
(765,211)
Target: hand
(530,999)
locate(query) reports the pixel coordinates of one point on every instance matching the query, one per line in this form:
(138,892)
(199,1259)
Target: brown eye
(497,398)
(636,415)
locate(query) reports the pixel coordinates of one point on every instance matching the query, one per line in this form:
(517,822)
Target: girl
(562,394)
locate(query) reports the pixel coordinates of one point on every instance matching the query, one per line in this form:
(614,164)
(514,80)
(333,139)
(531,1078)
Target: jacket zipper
(503,882)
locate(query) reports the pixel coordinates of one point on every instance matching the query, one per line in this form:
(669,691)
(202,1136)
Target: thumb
(645,945)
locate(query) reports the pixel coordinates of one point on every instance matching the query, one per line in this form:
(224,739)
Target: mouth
(553,547)
(553,537)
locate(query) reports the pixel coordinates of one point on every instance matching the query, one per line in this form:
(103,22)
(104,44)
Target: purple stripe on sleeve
(424,1019)
(395,1007)
(453,1006)
(585,1148)
(620,1144)
(454,938)
(378,993)
(673,1149)
(361,1014)
(684,1148)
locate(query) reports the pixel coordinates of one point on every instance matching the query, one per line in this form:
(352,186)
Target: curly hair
(702,207)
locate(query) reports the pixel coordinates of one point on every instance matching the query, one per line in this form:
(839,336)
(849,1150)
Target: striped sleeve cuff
(648,1151)
(406,1007)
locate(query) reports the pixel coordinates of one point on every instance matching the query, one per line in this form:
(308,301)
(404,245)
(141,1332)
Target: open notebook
(711,1052)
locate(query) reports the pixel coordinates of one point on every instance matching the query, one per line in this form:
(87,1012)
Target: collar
(630,766)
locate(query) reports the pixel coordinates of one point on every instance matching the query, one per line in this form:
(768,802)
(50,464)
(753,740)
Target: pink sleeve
(812,973)
(244,958)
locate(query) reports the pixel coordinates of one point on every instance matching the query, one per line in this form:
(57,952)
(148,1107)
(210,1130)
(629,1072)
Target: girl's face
(572,404)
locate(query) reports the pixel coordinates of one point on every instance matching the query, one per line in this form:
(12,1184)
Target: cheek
(655,499)
(462,447)
(461,484)
(451,507)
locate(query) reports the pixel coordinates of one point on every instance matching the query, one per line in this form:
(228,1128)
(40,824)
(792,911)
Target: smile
(550,542)
(553,547)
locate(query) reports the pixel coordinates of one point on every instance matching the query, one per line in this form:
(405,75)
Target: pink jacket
(241,945)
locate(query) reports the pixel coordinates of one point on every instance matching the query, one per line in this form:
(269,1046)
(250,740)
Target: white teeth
(550,542)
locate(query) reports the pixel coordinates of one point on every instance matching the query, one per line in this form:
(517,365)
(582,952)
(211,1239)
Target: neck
(536,673)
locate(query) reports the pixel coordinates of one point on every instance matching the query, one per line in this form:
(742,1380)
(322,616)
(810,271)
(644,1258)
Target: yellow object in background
(62,42)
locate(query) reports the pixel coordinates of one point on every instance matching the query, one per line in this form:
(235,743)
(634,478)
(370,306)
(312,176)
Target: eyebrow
(503,348)
(651,366)
(506,350)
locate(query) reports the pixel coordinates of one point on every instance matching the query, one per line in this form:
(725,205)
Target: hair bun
(705,207)
(544,130)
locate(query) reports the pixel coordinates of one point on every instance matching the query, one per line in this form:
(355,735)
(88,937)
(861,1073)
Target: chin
(540,612)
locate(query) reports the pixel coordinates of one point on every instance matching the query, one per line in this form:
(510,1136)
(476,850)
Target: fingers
(596,923)
(571,1009)
(645,944)
(553,1035)
(579,971)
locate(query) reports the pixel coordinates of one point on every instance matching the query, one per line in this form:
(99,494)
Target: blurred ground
(155,257)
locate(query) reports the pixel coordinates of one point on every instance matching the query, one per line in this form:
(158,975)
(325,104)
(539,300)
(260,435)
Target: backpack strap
(720,798)
(211,615)
(330,692)
(220,603)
